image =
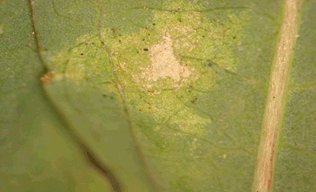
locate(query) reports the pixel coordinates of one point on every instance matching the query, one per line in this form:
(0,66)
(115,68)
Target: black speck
(210,63)
(145,49)
(81,53)
(108,96)
(194,100)
(154,24)
(190,89)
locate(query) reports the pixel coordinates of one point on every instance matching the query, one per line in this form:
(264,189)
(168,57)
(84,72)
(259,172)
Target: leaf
(157,95)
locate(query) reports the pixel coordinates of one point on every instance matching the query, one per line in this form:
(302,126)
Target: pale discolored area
(157,65)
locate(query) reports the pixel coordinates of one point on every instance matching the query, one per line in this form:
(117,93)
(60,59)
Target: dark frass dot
(210,63)
(194,100)
(145,49)
(81,53)
(190,89)
(108,96)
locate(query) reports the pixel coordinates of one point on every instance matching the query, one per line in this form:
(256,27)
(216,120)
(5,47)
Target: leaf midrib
(276,97)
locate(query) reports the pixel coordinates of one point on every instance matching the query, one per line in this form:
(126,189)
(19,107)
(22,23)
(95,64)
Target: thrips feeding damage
(162,67)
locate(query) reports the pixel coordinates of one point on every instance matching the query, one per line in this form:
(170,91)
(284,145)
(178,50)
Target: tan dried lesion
(164,64)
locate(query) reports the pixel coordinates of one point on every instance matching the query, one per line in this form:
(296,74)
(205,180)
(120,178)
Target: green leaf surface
(149,95)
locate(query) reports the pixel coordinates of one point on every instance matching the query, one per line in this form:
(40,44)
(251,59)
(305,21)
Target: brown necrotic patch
(47,78)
